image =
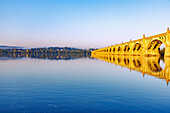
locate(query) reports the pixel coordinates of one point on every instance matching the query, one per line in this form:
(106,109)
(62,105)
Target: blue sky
(80,23)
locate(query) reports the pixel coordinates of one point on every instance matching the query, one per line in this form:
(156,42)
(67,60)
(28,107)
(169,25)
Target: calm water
(78,85)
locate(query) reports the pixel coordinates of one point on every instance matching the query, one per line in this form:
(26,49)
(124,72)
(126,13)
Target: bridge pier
(167,48)
(167,51)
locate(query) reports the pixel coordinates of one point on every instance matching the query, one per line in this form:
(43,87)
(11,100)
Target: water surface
(33,85)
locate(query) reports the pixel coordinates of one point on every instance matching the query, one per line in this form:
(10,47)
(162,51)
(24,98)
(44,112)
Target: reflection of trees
(46,56)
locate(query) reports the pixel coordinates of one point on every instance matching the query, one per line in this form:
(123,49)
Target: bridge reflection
(145,65)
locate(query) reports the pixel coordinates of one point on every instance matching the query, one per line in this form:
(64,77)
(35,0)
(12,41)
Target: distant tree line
(49,53)
(50,50)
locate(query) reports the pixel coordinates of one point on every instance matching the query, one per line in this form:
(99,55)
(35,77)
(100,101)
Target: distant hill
(10,47)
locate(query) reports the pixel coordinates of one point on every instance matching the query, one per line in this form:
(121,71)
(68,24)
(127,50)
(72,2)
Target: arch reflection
(145,65)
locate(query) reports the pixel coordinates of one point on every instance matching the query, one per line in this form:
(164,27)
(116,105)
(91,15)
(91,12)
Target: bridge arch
(153,46)
(110,49)
(126,48)
(156,43)
(137,47)
(114,49)
(119,49)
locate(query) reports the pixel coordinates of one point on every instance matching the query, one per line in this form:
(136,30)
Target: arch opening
(162,51)
(110,49)
(113,49)
(137,47)
(157,46)
(119,48)
(126,48)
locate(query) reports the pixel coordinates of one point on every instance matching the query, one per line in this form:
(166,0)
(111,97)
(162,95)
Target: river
(33,85)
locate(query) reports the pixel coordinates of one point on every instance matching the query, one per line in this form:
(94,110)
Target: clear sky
(80,23)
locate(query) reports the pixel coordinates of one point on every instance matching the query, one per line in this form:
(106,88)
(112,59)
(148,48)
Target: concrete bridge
(145,65)
(147,46)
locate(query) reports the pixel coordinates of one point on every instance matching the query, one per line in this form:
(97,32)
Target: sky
(80,23)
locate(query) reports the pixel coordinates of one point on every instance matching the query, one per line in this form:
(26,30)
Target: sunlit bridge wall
(147,46)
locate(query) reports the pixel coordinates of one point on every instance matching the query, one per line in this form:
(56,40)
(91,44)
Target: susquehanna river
(30,85)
